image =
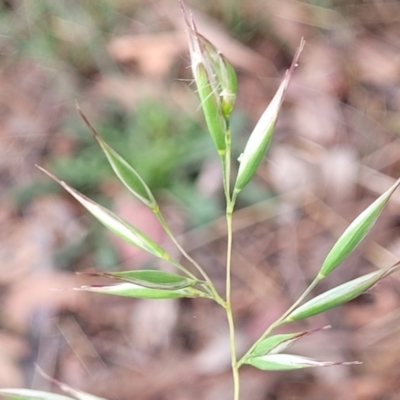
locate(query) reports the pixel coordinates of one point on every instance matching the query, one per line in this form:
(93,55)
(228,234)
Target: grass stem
(226,163)
(211,286)
(279,321)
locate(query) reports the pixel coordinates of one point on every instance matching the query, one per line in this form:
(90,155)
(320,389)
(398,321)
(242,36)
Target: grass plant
(216,84)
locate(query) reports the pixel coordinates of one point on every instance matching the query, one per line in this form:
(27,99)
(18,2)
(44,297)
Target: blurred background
(335,149)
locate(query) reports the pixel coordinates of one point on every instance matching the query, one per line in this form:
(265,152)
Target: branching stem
(279,321)
(211,286)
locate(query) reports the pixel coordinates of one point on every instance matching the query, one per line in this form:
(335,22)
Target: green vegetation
(176,147)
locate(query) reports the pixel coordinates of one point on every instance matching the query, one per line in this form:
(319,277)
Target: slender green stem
(229,314)
(178,245)
(301,298)
(210,285)
(280,320)
(181,268)
(226,166)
